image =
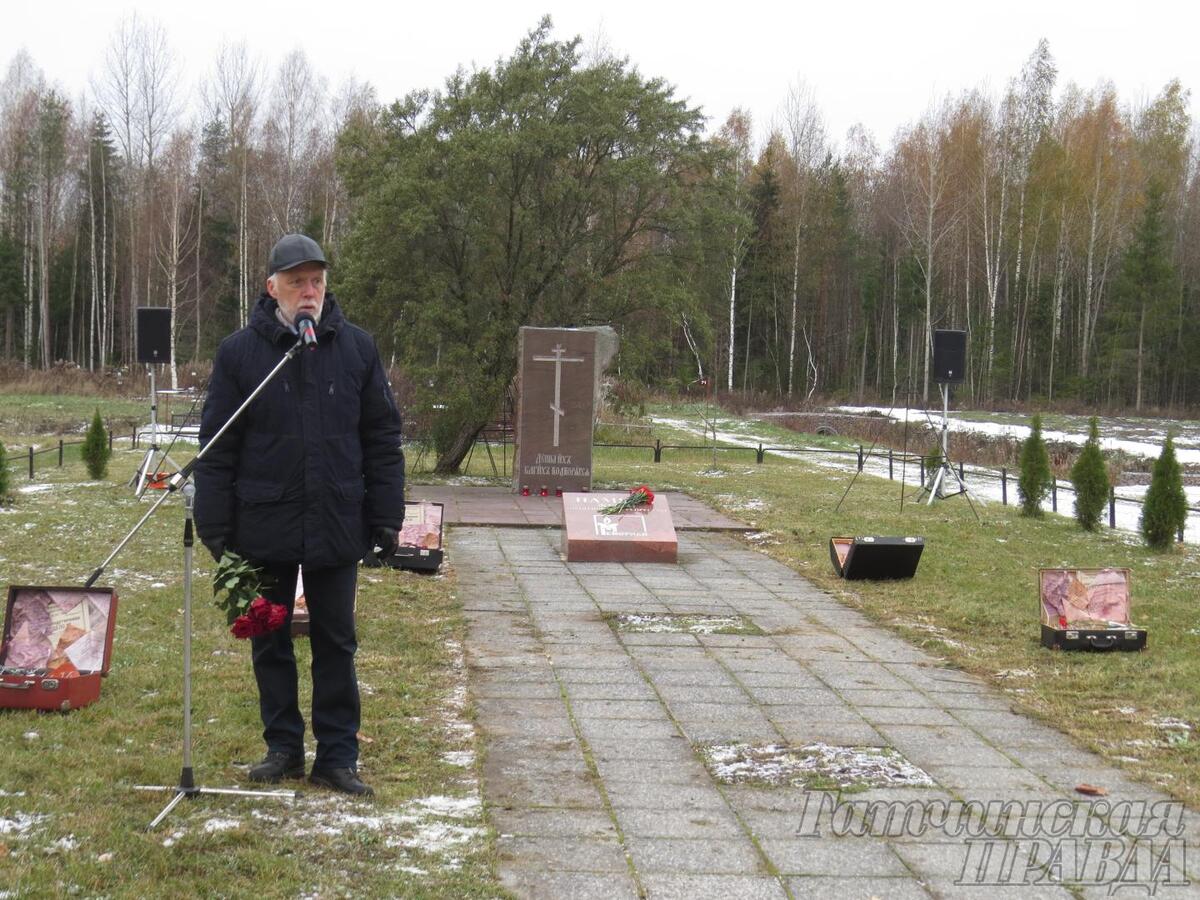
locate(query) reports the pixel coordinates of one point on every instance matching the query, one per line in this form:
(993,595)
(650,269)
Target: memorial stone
(556,408)
(642,534)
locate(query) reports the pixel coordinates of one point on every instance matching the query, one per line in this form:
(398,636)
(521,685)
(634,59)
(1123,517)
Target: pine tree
(1165,508)
(5,487)
(95,449)
(1036,477)
(1089,476)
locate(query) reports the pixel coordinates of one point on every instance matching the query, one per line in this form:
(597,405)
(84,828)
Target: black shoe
(345,780)
(276,766)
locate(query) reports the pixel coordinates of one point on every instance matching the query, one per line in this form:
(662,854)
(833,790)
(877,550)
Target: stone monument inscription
(555,410)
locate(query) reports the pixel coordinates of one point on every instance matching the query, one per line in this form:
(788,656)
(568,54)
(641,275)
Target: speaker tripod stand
(939,477)
(147,469)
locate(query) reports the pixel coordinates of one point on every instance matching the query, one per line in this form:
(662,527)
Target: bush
(95,449)
(1165,509)
(1036,478)
(1089,475)
(5,476)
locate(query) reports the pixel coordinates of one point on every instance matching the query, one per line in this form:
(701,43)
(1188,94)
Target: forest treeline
(1057,224)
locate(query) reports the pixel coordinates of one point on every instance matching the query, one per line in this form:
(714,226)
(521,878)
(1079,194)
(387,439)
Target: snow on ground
(1136,437)
(662,623)
(780,764)
(982,483)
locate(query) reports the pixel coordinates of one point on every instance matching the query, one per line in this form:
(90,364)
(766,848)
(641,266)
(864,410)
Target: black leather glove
(387,540)
(215,545)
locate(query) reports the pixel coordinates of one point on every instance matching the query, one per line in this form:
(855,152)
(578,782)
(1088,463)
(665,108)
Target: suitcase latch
(49,684)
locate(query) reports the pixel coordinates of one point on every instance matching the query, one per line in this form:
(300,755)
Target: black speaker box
(875,558)
(153,334)
(949,356)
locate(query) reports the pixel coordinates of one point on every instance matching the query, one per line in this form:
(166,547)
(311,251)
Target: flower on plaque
(639,496)
(237,587)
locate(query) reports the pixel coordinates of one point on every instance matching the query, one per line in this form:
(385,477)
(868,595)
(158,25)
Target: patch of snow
(1169,724)
(20,823)
(4,793)
(761,537)
(463,758)
(662,623)
(1016,673)
(213,826)
(434,837)
(939,633)
(66,844)
(779,764)
(31,735)
(35,488)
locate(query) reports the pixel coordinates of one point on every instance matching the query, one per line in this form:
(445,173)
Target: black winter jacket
(314,463)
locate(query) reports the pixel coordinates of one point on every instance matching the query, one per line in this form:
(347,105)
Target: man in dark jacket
(310,474)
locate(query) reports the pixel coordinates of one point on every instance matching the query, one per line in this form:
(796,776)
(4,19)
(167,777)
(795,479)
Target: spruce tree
(1036,477)
(95,449)
(1089,476)
(1165,509)
(5,476)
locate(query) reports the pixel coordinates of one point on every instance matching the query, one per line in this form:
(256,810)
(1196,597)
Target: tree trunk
(449,462)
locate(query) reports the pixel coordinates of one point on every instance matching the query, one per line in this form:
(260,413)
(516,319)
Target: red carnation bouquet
(639,496)
(237,587)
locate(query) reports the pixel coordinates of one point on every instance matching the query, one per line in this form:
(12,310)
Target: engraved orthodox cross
(558,359)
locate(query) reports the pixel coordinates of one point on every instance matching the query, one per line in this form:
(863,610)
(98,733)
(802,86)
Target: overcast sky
(878,63)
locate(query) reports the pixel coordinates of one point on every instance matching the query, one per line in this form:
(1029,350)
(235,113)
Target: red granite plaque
(645,534)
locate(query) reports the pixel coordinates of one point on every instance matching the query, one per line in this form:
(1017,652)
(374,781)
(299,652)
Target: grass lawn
(70,823)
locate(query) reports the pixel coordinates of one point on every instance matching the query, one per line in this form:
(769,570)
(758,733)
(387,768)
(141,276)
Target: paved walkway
(595,780)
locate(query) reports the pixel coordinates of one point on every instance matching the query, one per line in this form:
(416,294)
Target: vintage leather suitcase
(875,558)
(420,547)
(1087,609)
(57,646)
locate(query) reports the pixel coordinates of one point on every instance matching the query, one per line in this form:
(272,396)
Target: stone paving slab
(594,773)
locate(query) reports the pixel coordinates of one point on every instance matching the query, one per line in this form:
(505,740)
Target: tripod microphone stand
(187,780)
(180,482)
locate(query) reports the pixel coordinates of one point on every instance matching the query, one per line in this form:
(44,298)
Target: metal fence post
(658,449)
(960,470)
(1004,485)
(1112,508)
(1054,495)
(31,464)
(890,476)
(760,453)
(110,440)
(860,457)
(922,470)
(60,453)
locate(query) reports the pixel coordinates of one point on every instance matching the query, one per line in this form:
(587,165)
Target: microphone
(307,328)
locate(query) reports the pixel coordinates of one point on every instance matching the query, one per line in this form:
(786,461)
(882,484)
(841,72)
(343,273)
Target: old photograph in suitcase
(57,645)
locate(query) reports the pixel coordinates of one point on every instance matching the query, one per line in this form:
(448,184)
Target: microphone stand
(181,482)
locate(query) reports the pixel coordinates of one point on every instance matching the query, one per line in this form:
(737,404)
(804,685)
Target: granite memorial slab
(643,534)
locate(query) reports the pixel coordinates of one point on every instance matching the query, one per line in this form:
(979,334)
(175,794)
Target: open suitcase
(57,646)
(420,539)
(1087,609)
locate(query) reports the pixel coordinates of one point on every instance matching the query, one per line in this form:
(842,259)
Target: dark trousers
(329,594)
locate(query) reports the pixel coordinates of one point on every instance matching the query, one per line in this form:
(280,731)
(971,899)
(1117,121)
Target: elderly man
(310,474)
